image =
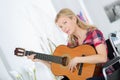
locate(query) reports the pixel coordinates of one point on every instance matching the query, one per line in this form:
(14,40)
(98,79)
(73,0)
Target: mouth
(67,31)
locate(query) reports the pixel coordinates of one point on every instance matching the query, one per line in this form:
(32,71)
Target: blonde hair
(70,14)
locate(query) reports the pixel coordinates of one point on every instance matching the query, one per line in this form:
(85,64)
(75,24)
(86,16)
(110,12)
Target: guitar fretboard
(46,57)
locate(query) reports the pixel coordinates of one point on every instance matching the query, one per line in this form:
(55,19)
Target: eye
(64,22)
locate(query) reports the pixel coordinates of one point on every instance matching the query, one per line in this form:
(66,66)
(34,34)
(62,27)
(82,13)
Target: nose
(64,29)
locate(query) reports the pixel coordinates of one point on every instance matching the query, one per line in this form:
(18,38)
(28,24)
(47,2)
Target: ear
(74,18)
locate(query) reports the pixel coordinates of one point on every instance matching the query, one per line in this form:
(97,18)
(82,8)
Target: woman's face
(67,25)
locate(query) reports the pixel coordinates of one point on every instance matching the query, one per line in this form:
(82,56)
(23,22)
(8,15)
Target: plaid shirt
(94,38)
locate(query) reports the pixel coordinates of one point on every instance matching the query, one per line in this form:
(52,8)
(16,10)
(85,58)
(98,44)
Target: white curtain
(27,24)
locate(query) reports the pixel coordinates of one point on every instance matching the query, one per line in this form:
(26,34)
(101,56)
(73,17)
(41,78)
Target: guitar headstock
(19,52)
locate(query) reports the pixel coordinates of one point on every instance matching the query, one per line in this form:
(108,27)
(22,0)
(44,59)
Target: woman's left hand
(73,64)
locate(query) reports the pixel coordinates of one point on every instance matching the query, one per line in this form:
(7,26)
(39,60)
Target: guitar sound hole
(64,61)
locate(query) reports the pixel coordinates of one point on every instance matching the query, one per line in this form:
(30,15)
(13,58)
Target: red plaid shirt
(94,38)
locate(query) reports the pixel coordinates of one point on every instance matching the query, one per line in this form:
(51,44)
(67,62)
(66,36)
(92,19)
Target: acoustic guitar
(60,59)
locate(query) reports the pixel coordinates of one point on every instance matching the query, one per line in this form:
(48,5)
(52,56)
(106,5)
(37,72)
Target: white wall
(96,11)
(72,4)
(23,23)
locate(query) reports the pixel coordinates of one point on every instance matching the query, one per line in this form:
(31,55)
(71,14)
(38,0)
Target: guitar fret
(27,53)
(46,57)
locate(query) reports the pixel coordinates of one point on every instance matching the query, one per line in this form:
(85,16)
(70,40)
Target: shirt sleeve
(98,38)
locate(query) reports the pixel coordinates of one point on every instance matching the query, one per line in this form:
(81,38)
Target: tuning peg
(19,52)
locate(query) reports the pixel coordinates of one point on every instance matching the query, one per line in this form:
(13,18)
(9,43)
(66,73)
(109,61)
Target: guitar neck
(46,57)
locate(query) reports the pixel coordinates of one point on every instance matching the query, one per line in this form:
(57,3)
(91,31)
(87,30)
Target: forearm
(92,59)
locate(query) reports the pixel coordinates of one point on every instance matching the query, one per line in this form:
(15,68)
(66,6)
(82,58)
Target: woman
(81,33)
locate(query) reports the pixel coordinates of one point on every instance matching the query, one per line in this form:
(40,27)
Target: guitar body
(87,69)
(60,59)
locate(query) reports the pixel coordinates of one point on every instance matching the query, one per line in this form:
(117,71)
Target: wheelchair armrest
(111,62)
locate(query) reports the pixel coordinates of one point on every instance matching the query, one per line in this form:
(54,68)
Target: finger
(36,60)
(75,67)
(31,56)
(71,69)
